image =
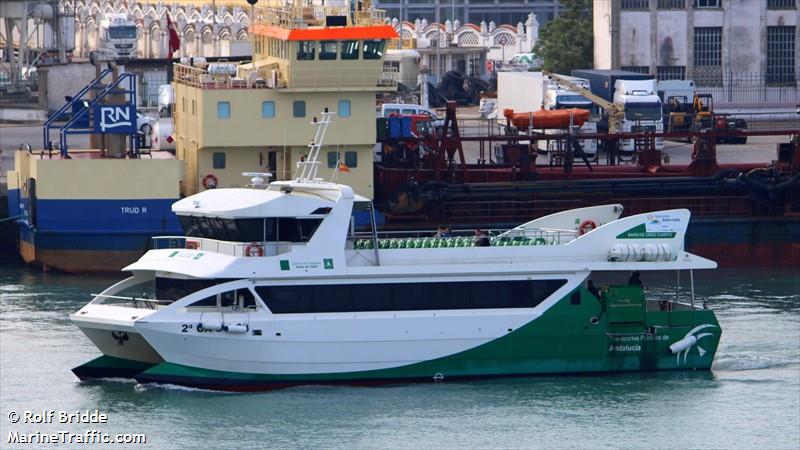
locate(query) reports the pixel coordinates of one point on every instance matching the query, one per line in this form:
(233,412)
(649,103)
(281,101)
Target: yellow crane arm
(615,111)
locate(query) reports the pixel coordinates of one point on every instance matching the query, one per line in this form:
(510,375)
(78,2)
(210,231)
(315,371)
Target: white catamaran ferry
(271,287)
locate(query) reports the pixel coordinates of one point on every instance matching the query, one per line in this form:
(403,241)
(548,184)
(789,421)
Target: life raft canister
(586,226)
(254,250)
(210,181)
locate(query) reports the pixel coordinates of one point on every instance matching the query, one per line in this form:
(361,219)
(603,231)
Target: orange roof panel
(324,34)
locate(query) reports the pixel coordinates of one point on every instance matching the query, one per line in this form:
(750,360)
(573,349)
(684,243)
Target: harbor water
(751,398)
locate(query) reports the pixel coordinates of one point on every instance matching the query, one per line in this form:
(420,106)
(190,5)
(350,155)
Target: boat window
(327,50)
(305,50)
(350,49)
(189,225)
(296,230)
(268,109)
(223,110)
(373,48)
(389,111)
(218,160)
(333,158)
(287,229)
(407,296)
(299,108)
(177,288)
(351,159)
(235,300)
(343,108)
(238,230)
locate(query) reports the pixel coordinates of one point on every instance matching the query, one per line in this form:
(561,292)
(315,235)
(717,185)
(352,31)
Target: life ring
(254,250)
(192,245)
(586,226)
(210,181)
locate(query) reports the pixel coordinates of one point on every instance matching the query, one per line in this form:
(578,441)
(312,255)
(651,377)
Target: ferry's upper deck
(307,46)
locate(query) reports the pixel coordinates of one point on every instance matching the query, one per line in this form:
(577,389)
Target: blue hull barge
(95,215)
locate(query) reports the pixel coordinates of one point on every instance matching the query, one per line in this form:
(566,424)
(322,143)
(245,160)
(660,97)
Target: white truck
(117,36)
(642,110)
(533,91)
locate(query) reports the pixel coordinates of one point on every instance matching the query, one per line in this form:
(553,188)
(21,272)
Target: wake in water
(735,363)
(144,387)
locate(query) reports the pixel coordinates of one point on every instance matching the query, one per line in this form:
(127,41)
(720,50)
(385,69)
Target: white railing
(142,302)
(235,249)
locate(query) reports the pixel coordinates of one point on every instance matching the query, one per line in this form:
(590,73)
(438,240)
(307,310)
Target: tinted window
(239,230)
(350,49)
(305,50)
(218,160)
(299,108)
(373,49)
(333,157)
(236,299)
(327,50)
(351,159)
(407,296)
(175,289)
(296,230)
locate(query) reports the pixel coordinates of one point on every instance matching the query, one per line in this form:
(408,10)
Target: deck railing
(235,249)
(301,17)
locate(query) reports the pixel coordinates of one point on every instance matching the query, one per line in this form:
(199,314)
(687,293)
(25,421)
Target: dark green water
(750,400)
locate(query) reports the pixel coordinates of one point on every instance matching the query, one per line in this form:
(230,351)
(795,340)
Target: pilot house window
(350,49)
(305,50)
(373,48)
(284,229)
(327,50)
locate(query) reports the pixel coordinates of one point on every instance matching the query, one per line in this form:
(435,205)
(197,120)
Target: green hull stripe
(110,366)
(560,341)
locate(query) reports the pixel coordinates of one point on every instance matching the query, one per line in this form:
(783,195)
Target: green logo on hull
(328,263)
(640,232)
(284,264)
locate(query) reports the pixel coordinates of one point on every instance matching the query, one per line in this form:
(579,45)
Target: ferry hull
(561,341)
(110,367)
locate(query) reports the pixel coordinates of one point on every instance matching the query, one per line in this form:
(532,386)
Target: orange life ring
(254,250)
(210,181)
(586,226)
(192,245)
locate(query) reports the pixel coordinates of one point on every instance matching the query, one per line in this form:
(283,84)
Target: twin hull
(570,332)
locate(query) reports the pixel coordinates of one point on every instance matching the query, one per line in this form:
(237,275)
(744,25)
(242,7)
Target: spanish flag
(343,167)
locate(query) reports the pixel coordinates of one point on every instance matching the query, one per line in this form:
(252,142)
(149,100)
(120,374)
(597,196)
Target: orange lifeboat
(542,119)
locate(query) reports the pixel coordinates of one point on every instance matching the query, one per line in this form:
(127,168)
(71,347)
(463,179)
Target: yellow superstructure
(256,116)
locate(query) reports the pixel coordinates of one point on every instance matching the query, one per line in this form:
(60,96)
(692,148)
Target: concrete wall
(742,37)
(602,19)
(635,38)
(671,39)
(61,80)
(666,37)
